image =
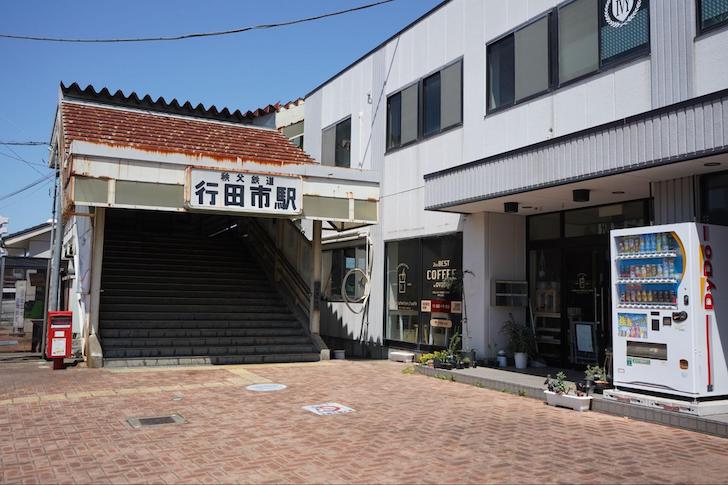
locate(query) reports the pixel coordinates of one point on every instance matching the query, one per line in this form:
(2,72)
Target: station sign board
(256,193)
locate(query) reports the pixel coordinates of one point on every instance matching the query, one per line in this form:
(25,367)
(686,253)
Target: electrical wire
(24,143)
(21,158)
(3,154)
(196,35)
(29,186)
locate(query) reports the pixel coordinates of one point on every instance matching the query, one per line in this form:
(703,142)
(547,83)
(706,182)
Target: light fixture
(618,192)
(712,164)
(510,207)
(580,195)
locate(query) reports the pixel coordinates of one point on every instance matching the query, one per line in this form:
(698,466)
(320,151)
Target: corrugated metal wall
(674,200)
(658,138)
(672,29)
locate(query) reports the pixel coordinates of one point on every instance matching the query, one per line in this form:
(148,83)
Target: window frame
(334,292)
(554,81)
(699,30)
(420,106)
(553,66)
(334,125)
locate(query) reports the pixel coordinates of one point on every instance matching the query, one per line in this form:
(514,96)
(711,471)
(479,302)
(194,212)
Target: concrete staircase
(189,299)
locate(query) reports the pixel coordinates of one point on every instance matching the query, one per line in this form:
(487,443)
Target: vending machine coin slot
(686,300)
(655,325)
(679,316)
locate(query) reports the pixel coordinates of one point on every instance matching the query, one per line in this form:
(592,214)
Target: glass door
(586,326)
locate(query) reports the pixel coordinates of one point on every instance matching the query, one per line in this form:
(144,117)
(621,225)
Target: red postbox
(59,337)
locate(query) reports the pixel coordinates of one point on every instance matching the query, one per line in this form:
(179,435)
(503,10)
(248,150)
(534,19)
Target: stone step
(215,360)
(173,286)
(150,277)
(146,342)
(193,298)
(239,350)
(206,315)
(290,331)
(200,324)
(163,307)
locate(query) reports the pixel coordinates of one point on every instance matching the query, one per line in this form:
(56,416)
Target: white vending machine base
(695,408)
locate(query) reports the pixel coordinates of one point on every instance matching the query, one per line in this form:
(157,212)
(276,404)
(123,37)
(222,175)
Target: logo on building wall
(621,12)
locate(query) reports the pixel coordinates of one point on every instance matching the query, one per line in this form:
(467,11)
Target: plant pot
(600,386)
(570,401)
(459,365)
(502,361)
(521,359)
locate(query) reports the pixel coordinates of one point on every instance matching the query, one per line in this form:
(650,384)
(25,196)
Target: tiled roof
(138,128)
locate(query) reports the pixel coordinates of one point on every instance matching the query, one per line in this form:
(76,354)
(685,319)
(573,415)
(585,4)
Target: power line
(21,158)
(24,143)
(24,161)
(197,35)
(30,185)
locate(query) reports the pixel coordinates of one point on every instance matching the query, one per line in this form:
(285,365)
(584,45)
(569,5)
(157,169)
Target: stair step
(193,299)
(204,315)
(111,333)
(218,341)
(248,287)
(216,360)
(135,294)
(192,308)
(179,258)
(208,351)
(188,278)
(199,324)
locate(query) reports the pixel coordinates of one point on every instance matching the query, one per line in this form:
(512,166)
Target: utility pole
(55,276)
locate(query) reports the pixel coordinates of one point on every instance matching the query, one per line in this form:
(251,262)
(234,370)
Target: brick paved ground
(70,426)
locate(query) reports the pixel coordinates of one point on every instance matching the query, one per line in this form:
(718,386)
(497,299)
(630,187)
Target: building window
(714,198)
(424,290)
(593,35)
(431,105)
(441,107)
(501,73)
(712,14)
(519,65)
(578,39)
(570,42)
(336,144)
(336,264)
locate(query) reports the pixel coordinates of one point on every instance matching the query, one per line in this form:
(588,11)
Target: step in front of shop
(717,426)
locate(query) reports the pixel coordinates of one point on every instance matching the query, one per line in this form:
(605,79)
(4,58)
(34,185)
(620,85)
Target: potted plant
(520,340)
(467,363)
(559,393)
(596,378)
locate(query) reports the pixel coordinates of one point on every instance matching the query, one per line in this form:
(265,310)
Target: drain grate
(156,421)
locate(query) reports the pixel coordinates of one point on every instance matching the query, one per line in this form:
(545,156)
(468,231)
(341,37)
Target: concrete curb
(700,424)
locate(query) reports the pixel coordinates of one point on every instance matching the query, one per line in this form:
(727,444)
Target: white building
(509,137)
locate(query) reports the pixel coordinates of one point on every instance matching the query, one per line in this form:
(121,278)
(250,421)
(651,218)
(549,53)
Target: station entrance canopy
(120,151)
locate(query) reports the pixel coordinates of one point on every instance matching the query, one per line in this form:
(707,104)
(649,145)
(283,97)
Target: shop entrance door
(586,305)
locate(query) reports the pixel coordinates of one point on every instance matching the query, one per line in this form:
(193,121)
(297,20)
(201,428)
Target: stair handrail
(283,271)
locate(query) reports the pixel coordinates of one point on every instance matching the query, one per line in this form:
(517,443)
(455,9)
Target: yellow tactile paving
(241,377)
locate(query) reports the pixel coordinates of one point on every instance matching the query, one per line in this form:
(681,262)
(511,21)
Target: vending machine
(670,310)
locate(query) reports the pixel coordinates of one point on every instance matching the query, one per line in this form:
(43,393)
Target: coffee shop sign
(620,12)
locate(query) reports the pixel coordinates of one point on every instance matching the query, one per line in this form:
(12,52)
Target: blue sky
(240,71)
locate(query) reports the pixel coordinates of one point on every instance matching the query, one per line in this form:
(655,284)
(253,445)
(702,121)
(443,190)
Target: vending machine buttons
(683,364)
(686,300)
(666,321)
(655,325)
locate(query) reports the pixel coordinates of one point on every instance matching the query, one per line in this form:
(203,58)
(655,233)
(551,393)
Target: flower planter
(521,359)
(577,403)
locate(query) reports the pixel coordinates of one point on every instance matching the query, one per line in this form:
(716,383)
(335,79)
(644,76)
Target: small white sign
(328,408)
(426,306)
(58,347)
(269,387)
(19,316)
(244,192)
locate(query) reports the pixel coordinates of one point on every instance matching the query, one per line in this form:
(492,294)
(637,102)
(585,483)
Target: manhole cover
(266,387)
(156,420)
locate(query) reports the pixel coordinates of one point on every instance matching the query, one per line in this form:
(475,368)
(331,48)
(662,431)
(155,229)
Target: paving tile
(405,429)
